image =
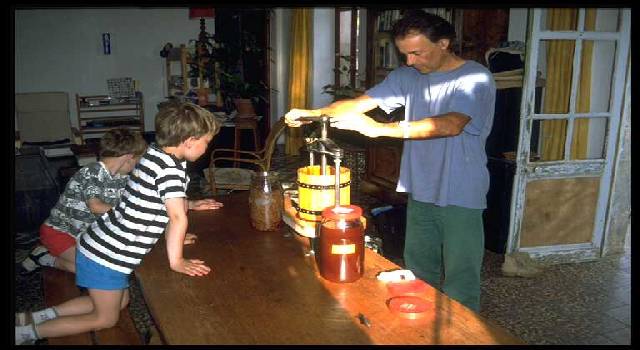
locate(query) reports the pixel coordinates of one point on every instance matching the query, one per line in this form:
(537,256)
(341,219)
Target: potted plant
(243,93)
(340,92)
(234,85)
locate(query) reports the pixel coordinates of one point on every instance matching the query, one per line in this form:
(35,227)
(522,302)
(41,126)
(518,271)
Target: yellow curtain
(581,126)
(558,87)
(300,73)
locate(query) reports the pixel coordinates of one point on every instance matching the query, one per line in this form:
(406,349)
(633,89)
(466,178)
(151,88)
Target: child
(90,192)
(153,200)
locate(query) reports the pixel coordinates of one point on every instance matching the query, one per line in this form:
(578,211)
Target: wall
(323,29)
(603,63)
(362,48)
(323,54)
(61,50)
(517,24)
(280,44)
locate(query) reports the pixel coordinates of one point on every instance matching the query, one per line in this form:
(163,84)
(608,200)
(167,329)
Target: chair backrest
(270,142)
(43,116)
(234,178)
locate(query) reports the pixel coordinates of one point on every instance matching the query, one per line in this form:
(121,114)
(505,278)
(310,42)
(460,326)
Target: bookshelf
(99,113)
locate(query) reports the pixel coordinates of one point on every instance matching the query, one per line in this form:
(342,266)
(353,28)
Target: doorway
(566,148)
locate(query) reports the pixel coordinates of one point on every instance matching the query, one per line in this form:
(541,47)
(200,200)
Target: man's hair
(120,141)
(178,121)
(431,26)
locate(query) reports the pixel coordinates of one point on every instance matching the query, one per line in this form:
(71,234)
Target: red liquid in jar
(341,252)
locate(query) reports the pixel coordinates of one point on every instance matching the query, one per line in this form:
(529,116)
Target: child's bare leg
(104,314)
(84,305)
(125,299)
(67,260)
(76,306)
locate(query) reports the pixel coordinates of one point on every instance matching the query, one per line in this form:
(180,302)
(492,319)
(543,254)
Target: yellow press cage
(317,192)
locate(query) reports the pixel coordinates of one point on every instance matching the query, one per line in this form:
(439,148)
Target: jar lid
(410,307)
(413,287)
(344,212)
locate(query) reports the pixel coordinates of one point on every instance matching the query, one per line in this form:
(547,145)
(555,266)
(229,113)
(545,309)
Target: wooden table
(264,288)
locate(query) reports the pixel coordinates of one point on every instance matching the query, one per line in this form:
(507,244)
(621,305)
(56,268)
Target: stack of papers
(58,152)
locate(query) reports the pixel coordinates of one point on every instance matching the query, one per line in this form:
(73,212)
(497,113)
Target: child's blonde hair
(178,121)
(120,141)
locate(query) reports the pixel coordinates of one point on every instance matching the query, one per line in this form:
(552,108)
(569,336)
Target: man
(449,106)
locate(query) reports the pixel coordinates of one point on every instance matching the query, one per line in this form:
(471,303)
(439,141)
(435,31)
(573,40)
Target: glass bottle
(265,201)
(341,244)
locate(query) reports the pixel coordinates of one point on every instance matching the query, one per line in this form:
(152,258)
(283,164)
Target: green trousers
(453,236)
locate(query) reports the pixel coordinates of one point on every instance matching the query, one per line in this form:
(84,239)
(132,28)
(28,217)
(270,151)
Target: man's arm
(349,115)
(358,105)
(444,125)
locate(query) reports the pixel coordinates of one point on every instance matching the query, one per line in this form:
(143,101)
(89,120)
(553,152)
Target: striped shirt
(121,237)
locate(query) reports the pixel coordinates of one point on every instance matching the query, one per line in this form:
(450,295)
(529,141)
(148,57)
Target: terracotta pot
(203,99)
(244,107)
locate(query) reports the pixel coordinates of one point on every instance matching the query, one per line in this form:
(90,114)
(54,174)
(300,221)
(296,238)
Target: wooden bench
(60,286)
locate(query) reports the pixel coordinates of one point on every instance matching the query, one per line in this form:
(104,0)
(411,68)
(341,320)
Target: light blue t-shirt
(448,170)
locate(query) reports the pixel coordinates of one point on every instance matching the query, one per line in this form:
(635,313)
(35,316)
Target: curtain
(558,86)
(300,73)
(581,126)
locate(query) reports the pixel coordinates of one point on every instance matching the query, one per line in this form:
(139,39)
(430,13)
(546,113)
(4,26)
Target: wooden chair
(240,178)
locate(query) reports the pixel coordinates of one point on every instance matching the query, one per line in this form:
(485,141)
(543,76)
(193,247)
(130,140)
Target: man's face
(423,54)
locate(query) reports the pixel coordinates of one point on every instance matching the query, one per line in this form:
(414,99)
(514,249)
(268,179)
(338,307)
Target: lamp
(201,13)
(202,53)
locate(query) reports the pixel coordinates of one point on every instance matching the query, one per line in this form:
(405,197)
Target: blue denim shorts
(90,274)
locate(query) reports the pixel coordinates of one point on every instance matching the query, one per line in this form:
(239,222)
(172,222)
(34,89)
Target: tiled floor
(569,304)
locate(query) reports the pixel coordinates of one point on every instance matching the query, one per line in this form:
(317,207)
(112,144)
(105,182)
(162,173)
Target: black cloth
(501,61)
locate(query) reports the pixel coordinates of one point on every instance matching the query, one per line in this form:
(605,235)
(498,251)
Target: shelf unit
(176,77)
(180,80)
(383,156)
(98,114)
(382,55)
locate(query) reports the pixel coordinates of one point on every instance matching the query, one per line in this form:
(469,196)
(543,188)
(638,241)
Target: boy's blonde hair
(120,141)
(178,121)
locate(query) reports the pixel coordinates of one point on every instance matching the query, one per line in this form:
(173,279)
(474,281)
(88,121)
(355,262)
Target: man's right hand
(291,118)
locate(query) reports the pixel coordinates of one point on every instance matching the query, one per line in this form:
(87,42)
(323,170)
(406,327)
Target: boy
(153,200)
(91,191)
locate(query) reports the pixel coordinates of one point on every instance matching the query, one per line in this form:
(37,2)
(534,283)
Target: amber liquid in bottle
(341,252)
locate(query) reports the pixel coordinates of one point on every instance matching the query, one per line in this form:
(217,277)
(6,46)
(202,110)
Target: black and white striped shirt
(121,237)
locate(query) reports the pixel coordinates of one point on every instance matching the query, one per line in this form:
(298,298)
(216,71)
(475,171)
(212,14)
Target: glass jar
(341,244)
(265,201)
